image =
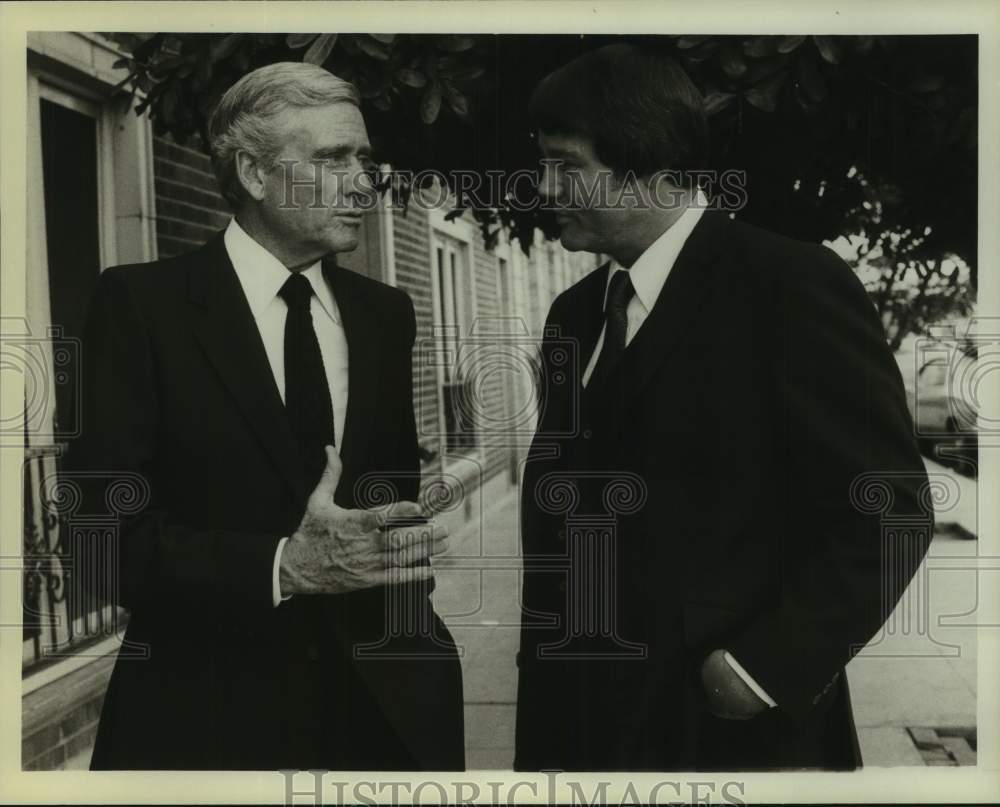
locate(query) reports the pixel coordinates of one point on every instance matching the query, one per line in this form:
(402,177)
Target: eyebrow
(560,153)
(337,152)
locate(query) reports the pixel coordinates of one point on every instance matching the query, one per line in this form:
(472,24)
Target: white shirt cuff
(758,690)
(276,597)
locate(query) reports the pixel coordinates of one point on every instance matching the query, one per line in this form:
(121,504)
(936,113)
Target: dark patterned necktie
(620,292)
(307,394)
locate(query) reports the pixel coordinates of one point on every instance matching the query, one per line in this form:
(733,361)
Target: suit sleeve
(845,428)
(217,572)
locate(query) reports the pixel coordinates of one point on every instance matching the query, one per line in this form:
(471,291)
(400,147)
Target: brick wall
(491,391)
(59,720)
(413,268)
(189,209)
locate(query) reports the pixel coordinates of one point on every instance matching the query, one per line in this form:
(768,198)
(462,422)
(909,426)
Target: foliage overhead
(871,135)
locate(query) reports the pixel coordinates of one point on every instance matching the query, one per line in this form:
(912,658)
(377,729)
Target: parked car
(940,383)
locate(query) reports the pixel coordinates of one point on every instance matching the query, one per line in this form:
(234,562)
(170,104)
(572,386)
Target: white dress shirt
(649,273)
(262,275)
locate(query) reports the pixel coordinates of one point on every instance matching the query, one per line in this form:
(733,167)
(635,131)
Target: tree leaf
(864,44)
(829,48)
(457,101)
(686,42)
(382,102)
(455,43)
(320,49)
(757,71)
(430,104)
(386,39)
(372,47)
(732,62)
(225,46)
(759,46)
(717,101)
(410,77)
(764,96)
(296,41)
(786,44)
(701,52)
(468,72)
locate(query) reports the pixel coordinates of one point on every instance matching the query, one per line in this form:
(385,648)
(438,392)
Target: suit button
(562,586)
(587,434)
(561,536)
(312,651)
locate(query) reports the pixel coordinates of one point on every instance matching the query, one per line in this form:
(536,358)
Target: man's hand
(728,695)
(335,550)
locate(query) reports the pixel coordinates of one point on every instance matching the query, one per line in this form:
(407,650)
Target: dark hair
(638,107)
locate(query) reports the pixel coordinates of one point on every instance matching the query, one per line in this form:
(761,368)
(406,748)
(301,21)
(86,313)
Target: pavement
(917,675)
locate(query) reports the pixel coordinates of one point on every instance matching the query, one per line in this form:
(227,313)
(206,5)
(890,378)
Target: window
(451,320)
(72,145)
(90,205)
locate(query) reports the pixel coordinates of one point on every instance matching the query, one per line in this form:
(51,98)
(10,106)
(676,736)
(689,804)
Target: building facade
(103,190)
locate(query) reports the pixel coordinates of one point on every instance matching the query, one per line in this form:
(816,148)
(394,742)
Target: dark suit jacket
(745,415)
(177,388)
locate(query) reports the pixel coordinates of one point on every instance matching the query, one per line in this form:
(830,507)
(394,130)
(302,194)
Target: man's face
(320,186)
(592,211)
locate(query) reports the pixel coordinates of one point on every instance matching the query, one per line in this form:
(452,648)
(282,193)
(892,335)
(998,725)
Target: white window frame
(458,295)
(75,70)
(101,115)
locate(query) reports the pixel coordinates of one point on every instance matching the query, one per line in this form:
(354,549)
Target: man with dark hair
(697,567)
(263,393)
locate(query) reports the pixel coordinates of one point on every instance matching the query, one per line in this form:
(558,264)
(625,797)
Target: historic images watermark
(548,787)
(315,184)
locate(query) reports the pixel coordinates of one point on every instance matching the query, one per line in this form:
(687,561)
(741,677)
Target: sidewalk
(479,602)
(919,674)
(923,676)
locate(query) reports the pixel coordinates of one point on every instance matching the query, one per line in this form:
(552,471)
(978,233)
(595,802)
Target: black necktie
(620,291)
(307,394)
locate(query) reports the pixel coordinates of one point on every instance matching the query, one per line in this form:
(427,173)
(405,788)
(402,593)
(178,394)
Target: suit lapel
(363,332)
(228,334)
(684,294)
(587,318)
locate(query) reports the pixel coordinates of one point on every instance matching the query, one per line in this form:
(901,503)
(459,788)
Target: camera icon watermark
(951,370)
(495,382)
(45,365)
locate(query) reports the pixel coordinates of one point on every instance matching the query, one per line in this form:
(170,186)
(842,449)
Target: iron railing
(61,615)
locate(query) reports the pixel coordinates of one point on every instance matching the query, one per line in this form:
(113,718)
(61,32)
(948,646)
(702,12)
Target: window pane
(69,169)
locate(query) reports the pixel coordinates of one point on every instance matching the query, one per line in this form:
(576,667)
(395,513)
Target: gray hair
(244,119)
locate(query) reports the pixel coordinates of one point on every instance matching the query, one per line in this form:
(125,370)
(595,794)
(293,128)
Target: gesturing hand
(728,695)
(336,550)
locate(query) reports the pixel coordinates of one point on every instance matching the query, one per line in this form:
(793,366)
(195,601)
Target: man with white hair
(263,394)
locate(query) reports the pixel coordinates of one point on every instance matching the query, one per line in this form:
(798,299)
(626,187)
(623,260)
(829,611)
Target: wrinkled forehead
(333,127)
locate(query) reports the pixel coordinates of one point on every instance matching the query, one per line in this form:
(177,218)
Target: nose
(360,186)
(548,182)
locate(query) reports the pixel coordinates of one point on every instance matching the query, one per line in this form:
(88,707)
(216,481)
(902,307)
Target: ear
(250,175)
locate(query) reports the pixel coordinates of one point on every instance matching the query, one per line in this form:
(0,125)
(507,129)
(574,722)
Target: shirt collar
(649,272)
(262,275)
